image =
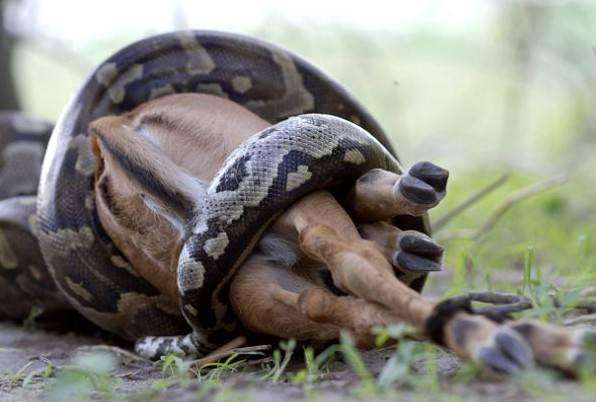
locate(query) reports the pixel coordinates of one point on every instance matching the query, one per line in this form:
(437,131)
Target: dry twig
(588,305)
(230,348)
(502,208)
(468,202)
(588,319)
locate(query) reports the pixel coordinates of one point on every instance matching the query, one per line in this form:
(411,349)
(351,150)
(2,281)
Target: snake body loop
(320,138)
(259,180)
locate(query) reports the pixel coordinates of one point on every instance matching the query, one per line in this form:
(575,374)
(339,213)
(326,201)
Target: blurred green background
(482,88)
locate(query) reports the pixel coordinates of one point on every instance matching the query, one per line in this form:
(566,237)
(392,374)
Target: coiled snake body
(322,138)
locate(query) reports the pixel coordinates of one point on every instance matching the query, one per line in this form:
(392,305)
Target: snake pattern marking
(321,138)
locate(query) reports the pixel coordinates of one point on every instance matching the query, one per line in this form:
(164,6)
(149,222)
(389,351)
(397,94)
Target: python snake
(321,138)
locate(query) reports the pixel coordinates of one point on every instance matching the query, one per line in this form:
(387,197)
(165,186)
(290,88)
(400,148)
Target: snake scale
(321,138)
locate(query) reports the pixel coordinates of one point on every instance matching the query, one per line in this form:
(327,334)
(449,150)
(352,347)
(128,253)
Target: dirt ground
(25,355)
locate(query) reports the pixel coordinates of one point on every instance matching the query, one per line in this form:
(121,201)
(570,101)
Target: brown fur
(181,141)
(186,138)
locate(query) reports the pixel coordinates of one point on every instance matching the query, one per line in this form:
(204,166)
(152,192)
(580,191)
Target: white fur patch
(278,250)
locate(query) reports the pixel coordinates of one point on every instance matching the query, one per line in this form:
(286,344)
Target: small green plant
(395,332)
(88,378)
(31,320)
(172,365)
(174,370)
(9,380)
(214,372)
(459,281)
(429,382)
(310,372)
(47,372)
(315,366)
(279,363)
(539,383)
(354,359)
(399,366)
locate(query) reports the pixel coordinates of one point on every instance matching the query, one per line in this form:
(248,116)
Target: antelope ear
(165,187)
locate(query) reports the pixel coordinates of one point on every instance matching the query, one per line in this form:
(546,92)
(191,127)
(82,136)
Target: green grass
(550,234)
(459,100)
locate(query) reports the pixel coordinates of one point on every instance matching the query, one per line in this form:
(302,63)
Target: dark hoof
(422,245)
(413,263)
(496,361)
(515,348)
(417,191)
(509,354)
(432,174)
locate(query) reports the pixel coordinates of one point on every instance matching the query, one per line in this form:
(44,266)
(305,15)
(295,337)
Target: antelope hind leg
(273,297)
(292,302)
(270,300)
(326,234)
(552,345)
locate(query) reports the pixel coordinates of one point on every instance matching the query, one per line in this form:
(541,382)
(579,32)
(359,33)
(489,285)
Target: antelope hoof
(496,347)
(416,252)
(508,353)
(408,251)
(424,183)
(567,349)
(432,174)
